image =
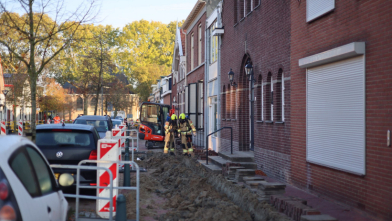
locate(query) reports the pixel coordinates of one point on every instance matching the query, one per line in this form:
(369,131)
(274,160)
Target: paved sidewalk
(327,206)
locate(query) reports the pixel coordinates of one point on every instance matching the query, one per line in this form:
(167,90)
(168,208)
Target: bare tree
(44,30)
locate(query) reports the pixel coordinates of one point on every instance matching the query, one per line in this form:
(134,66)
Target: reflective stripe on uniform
(194,130)
(184,151)
(172,149)
(190,150)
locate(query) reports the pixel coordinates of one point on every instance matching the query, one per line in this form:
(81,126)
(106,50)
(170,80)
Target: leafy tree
(119,96)
(38,37)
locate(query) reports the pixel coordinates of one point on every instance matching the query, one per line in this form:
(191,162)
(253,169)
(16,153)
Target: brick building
(258,32)
(178,72)
(195,57)
(342,100)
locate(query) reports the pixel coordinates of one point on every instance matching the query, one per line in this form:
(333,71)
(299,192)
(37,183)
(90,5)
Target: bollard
(127,177)
(121,213)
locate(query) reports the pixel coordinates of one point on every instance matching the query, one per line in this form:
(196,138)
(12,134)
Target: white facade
(212,77)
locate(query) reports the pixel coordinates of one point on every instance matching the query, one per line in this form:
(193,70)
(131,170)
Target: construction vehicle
(152,123)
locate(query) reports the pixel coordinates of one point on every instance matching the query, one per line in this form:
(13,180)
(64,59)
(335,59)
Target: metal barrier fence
(198,141)
(77,196)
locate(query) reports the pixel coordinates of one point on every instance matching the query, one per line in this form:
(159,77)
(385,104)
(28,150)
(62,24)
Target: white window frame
(244,9)
(320,12)
(199,45)
(213,44)
(262,100)
(192,51)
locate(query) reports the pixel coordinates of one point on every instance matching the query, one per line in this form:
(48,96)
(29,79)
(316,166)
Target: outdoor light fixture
(231,78)
(248,69)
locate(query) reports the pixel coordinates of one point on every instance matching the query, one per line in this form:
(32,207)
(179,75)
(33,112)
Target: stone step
(238,156)
(321,217)
(252,183)
(252,178)
(220,161)
(211,167)
(245,172)
(264,185)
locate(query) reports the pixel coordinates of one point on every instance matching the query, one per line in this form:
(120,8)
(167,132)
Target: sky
(121,12)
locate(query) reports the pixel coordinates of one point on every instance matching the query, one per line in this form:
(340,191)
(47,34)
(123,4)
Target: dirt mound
(178,188)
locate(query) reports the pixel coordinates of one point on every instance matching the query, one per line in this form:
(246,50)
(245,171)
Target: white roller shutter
(316,8)
(335,116)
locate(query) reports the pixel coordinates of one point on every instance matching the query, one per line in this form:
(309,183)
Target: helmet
(182,116)
(174,117)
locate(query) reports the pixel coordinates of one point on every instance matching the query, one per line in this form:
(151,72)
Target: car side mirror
(66,179)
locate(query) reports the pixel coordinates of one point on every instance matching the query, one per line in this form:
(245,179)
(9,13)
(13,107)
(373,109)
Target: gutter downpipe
(206,71)
(219,21)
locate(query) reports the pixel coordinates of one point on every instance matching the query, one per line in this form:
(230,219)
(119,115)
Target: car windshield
(116,123)
(100,125)
(63,138)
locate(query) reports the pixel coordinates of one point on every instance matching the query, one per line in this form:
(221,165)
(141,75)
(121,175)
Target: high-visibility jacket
(56,120)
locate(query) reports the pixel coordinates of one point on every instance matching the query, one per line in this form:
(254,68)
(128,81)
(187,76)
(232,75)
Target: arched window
(259,103)
(93,102)
(269,98)
(228,103)
(224,102)
(79,104)
(279,96)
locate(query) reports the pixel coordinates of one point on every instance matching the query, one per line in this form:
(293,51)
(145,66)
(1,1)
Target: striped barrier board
(107,150)
(20,128)
(3,128)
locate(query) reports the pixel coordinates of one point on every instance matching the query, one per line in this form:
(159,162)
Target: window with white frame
(192,51)
(317,8)
(214,44)
(199,50)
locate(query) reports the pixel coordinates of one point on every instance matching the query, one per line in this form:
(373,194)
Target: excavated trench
(178,188)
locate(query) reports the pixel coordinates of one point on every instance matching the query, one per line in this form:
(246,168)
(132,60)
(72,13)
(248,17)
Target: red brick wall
(195,31)
(371,22)
(266,31)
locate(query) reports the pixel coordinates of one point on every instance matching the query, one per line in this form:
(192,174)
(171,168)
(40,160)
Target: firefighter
(171,128)
(186,129)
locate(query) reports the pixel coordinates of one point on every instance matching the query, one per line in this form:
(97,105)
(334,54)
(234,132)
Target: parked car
(116,122)
(101,123)
(28,188)
(69,144)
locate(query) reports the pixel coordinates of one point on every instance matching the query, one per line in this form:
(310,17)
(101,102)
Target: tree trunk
(85,101)
(115,112)
(32,71)
(33,88)
(14,114)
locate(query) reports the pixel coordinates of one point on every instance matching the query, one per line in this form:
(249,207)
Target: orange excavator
(152,123)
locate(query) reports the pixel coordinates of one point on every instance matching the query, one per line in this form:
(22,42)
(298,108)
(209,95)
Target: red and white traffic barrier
(20,128)
(107,150)
(3,128)
(132,123)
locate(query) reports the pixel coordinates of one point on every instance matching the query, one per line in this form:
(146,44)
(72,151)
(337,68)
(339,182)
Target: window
(317,8)
(233,103)
(192,52)
(100,125)
(228,104)
(249,6)
(242,9)
(93,102)
(199,50)
(235,11)
(260,102)
(269,98)
(278,97)
(22,168)
(224,102)
(44,175)
(79,104)
(214,44)
(47,139)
